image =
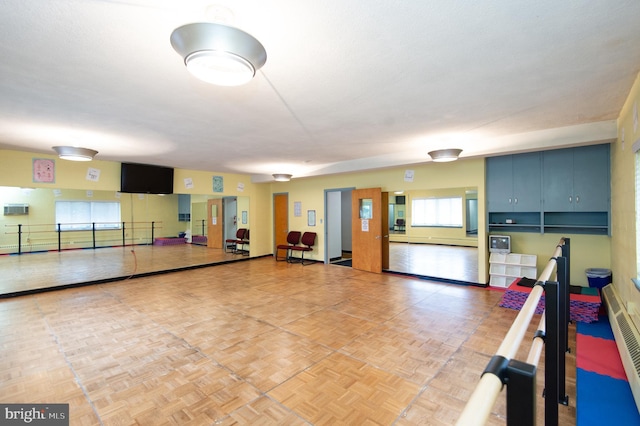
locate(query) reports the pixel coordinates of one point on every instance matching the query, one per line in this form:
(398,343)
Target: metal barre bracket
(541,334)
(498,367)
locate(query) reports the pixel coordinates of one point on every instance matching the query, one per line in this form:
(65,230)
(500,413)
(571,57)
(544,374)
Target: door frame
(328,224)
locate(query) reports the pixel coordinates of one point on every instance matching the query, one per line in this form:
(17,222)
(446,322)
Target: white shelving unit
(505,268)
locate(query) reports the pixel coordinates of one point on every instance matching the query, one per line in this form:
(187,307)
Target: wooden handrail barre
(483,398)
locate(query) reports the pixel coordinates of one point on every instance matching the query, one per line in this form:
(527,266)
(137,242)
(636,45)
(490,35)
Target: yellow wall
(16,171)
(587,251)
(623,220)
(465,173)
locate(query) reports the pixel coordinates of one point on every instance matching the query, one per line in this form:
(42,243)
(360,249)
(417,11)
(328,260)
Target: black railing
(81,235)
(519,377)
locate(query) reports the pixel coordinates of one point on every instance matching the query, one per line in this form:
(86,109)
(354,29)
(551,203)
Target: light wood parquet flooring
(258,342)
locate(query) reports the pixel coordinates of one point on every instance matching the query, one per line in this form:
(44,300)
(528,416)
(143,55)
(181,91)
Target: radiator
(627,339)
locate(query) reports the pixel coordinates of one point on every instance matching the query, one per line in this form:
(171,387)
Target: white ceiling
(348,85)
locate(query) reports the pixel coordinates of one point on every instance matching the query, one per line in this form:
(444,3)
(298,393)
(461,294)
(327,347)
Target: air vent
(613,301)
(630,340)
(627,339)
(16,209)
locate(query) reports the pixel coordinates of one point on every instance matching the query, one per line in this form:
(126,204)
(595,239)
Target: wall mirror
(30,219)
(434,232)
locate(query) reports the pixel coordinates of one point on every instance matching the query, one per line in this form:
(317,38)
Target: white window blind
(79,215)
(445,211)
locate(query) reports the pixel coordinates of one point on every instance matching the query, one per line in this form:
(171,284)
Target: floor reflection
(32,272)
(432,260)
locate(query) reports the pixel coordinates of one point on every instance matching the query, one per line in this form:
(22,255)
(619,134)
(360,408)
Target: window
(79,215)
(437,212)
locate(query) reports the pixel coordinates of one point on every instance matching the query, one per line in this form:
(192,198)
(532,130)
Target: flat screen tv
(146,179)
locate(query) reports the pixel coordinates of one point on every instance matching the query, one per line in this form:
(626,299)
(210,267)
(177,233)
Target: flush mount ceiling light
(281,177)
(75,153)
(219,54)
(444,155)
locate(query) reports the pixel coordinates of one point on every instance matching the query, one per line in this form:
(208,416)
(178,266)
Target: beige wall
(623,247)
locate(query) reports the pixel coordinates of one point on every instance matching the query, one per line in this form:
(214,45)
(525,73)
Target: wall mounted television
(146,179)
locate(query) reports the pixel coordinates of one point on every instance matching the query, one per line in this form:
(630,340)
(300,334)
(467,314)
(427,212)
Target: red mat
(599,356)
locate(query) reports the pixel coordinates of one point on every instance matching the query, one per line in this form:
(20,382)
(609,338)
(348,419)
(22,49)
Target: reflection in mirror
(434,233)
(397,218)
(53,220)
(366,208)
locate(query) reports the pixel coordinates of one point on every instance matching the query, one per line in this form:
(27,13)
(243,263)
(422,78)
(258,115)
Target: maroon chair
(243,243)
(307,241)
(231,244)
(293,239)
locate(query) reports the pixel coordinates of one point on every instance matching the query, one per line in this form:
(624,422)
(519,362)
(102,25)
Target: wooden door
(370,238)
(385,230)
(280,219)
(214,223)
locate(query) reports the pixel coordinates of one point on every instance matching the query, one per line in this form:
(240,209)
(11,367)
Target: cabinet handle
(570,198)
(577,199)
(516,201)
(509,200)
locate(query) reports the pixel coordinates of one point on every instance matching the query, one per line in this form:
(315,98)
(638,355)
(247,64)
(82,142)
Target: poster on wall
(93,174)
(218,184)
(44,170)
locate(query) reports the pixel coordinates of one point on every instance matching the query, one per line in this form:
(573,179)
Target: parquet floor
(258,342)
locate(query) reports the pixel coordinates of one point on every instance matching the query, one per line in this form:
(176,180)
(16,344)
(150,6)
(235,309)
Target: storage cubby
(506,268)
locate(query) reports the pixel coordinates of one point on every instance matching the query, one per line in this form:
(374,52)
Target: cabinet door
(499,184)
(591,187)
(526,182)
(557,178)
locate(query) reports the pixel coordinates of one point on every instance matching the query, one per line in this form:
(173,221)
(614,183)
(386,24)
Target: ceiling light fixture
(219,54)
(444,155)
(281,177)
(75,153)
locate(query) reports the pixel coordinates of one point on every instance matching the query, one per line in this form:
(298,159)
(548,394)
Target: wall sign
(44,170)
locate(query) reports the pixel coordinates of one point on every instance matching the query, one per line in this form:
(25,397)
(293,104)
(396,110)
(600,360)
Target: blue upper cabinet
(513,183)
(576,179)
(563,190)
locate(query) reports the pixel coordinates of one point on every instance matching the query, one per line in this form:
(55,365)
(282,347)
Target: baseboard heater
(627,338)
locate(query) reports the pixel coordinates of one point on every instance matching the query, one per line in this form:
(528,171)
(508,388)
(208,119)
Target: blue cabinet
(564,191)
(576,179)
(513,183)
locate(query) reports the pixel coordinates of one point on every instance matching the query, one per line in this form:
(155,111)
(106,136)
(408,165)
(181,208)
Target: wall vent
(16,209)
(627,339)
